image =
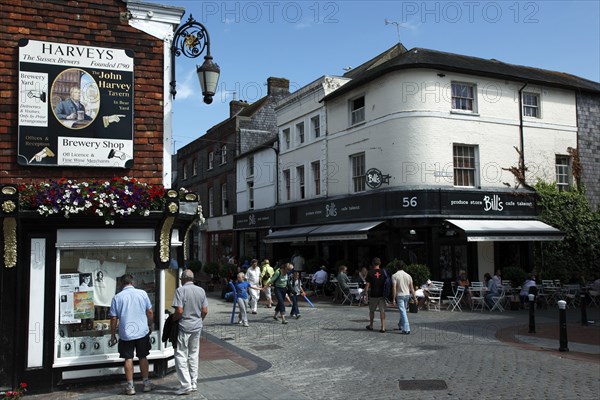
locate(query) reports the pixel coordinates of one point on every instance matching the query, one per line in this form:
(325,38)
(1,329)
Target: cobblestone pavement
(328,353)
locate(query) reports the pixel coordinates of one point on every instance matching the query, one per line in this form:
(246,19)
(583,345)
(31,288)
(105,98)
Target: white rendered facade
(302,123)
(410,128)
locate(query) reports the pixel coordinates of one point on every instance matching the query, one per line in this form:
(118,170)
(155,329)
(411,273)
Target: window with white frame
(211,160)
(224,202)
(300,132)
(223,154)
(250,195)
(315,123)
(300,178)
(357,110)
(211,202)
(184,171)
(287,183)
(286,138)
(316,176)
(563,172)
(357,162)
(194,167)
(531,104)
(463,97)
(250,167)
(465,165)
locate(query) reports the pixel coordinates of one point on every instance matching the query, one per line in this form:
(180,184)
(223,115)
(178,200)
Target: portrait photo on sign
(75,98)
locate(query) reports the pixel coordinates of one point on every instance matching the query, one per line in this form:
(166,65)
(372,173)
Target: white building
(416,163)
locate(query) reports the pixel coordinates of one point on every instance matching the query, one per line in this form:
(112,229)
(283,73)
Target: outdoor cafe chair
(435,297)
(456,299)
(498,300)
(477,298)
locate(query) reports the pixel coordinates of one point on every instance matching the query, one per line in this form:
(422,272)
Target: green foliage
(578,253)
(195,265)
(516,275)
(419,273)
(212,268)
(226,270)
(393,266)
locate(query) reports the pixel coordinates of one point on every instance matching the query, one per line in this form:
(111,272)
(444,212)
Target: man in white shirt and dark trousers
(191,307)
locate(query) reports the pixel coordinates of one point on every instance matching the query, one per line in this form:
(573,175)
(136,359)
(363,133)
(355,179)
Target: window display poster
(105,275)
(83,305)
(75,105)
(68,285)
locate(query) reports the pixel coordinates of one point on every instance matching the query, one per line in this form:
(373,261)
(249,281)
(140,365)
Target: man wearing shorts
(376,284)
(132,309)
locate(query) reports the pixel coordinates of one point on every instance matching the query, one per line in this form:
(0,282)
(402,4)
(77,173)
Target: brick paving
(328,353)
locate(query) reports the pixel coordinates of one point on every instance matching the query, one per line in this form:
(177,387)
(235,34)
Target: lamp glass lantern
(191,39)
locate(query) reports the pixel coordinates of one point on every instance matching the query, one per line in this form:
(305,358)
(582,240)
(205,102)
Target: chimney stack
(235,106)
(278,86)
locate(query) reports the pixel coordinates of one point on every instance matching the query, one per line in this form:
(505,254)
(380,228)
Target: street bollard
(531,313)
(583,310)
(562,320)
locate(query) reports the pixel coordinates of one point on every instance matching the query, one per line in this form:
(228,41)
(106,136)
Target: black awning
(316,233)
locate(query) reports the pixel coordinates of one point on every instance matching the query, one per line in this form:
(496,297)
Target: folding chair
(498,300)
(435,297)
(571,295)
(455,300)
(477,299)
(347,297)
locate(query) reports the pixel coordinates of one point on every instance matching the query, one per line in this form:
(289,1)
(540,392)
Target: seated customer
(492,290)
(422,295)
(462,280)
(525,288)
(343,280)
(319,278)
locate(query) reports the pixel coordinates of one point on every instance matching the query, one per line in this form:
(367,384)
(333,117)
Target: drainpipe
(521,133)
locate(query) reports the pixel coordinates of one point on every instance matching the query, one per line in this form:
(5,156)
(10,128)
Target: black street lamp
(191,39)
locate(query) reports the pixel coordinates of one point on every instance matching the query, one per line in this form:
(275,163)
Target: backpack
(387,286)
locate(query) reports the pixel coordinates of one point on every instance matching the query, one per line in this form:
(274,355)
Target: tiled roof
(449,62)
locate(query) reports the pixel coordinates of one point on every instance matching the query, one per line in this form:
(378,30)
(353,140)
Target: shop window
(88,279)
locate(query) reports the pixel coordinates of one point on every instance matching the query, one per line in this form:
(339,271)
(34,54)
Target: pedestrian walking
(296,290)
(265,275)
(132,311)
(253,277)
(403,290)
(279,280)
(191,307)
(241,289)
(374,292)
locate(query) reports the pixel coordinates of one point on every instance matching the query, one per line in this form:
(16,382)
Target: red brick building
(84,98)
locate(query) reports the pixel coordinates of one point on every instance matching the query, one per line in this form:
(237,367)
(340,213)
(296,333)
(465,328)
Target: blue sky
(303,40)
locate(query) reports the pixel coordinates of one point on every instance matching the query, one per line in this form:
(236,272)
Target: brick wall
(588,122)
(90,23)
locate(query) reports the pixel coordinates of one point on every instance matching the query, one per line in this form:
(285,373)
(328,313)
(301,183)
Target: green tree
(578,254)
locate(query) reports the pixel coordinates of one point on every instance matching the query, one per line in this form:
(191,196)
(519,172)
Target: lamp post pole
(191,39)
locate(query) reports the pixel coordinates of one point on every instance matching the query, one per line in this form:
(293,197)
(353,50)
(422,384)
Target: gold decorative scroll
(165,239)
(10,242)
(186,250)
